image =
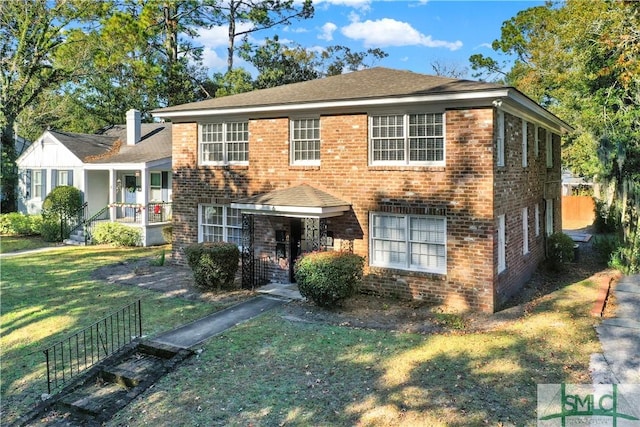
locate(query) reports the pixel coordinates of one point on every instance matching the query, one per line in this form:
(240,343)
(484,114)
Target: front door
(295,239)
(130,196)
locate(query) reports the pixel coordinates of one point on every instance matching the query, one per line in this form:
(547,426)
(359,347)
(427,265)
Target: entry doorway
(295,245)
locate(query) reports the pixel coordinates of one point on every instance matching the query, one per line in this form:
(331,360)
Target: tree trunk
(9,168)
(232,34)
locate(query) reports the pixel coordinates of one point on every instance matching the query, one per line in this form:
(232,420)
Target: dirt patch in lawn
(363,311)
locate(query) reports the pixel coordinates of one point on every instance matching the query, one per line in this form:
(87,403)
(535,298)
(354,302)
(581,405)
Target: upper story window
(305,141)
(224,143)
(61,177)
(407,139)
(500,139)
(409,242)
(155,186)
(525,147)
(549,148)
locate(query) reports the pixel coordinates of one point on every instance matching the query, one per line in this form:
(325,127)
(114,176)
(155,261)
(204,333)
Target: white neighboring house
(123,172)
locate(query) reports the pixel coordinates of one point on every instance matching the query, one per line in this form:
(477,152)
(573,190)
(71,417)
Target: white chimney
(133,127)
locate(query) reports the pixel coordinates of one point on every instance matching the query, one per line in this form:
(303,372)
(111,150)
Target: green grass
(274,371)
(48,295)
(22,243)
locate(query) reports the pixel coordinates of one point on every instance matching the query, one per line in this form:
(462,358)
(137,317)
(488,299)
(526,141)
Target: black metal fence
(80,351)
(158,212)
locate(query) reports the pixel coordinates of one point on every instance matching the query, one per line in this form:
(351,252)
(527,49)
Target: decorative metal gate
(247,252)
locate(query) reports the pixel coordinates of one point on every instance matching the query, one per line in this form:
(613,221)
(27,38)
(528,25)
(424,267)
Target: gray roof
(84,145)
(301,195)
(154,144)
(371,83)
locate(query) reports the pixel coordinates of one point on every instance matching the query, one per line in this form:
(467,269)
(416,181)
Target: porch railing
(90,223)
(159,212)
(80,351)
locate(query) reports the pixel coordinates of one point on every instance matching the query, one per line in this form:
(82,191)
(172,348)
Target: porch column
(113,194)
(144,180)
(248,273)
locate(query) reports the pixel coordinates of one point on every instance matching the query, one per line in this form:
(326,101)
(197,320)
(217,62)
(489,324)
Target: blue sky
(414,33)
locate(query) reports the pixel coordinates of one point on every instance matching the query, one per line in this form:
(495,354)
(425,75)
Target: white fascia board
(291,211)
(114,166)
(377,102)
(527,108)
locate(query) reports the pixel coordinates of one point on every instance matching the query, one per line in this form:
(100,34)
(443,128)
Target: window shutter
(54,178)
(70,177)
(44,185)
(27,179)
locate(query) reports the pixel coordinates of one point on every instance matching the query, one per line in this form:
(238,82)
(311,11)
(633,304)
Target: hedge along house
(123,173)
(448,187)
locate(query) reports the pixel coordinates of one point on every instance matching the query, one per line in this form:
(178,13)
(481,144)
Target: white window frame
(500,139)
(549,148)
(225,132)
(62,177)
(430,142)
(156,188)
(404,243)
(295,141)
(224,226)
(525,230)
(548,223)
(536,141)
(37,176)
(525,160)
(502,244)
(537,219)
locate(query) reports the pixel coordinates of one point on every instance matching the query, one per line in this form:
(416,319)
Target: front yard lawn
(278,371)
(48,295)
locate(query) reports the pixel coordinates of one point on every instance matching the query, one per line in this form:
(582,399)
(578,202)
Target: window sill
(305,167)
(227,167)
(408,168)
(396,270)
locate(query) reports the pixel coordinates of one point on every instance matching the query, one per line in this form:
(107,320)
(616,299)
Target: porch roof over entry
(301,201)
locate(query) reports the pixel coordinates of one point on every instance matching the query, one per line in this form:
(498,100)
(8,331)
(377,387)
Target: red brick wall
(464,189)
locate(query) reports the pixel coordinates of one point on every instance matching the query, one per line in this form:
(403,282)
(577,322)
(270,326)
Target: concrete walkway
(620,337)
(194,333)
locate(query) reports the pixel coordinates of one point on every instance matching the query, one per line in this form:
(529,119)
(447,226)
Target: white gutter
(458,96)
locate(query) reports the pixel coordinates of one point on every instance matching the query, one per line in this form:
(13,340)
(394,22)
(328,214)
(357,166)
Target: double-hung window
(500,139)
(305,141)
(224,143)
(407,139)
(37,183)
(409,242)
(218,223)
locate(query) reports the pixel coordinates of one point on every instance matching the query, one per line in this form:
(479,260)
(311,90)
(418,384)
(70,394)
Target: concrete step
(93,399)
(134,370)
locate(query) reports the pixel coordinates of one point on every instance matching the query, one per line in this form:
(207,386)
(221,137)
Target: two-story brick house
(448,187)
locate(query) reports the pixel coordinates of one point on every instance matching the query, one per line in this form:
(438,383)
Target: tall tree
(31,33)
(581,59)
(280,64)
(258,15)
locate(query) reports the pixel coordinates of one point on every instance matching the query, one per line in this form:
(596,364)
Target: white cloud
(218,36)
(213,61)
(389,32)
(363,5)
(327,31)
(485,45)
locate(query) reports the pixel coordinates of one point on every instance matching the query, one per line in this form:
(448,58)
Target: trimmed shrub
(116,234)
(559,250)
(214,264)
(17,224)
(328,277)
(50,229)
(61,206)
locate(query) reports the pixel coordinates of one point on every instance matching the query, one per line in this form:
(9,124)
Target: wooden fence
(577,212)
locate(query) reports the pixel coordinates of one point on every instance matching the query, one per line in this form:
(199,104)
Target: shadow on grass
(274,371)
(54,297)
